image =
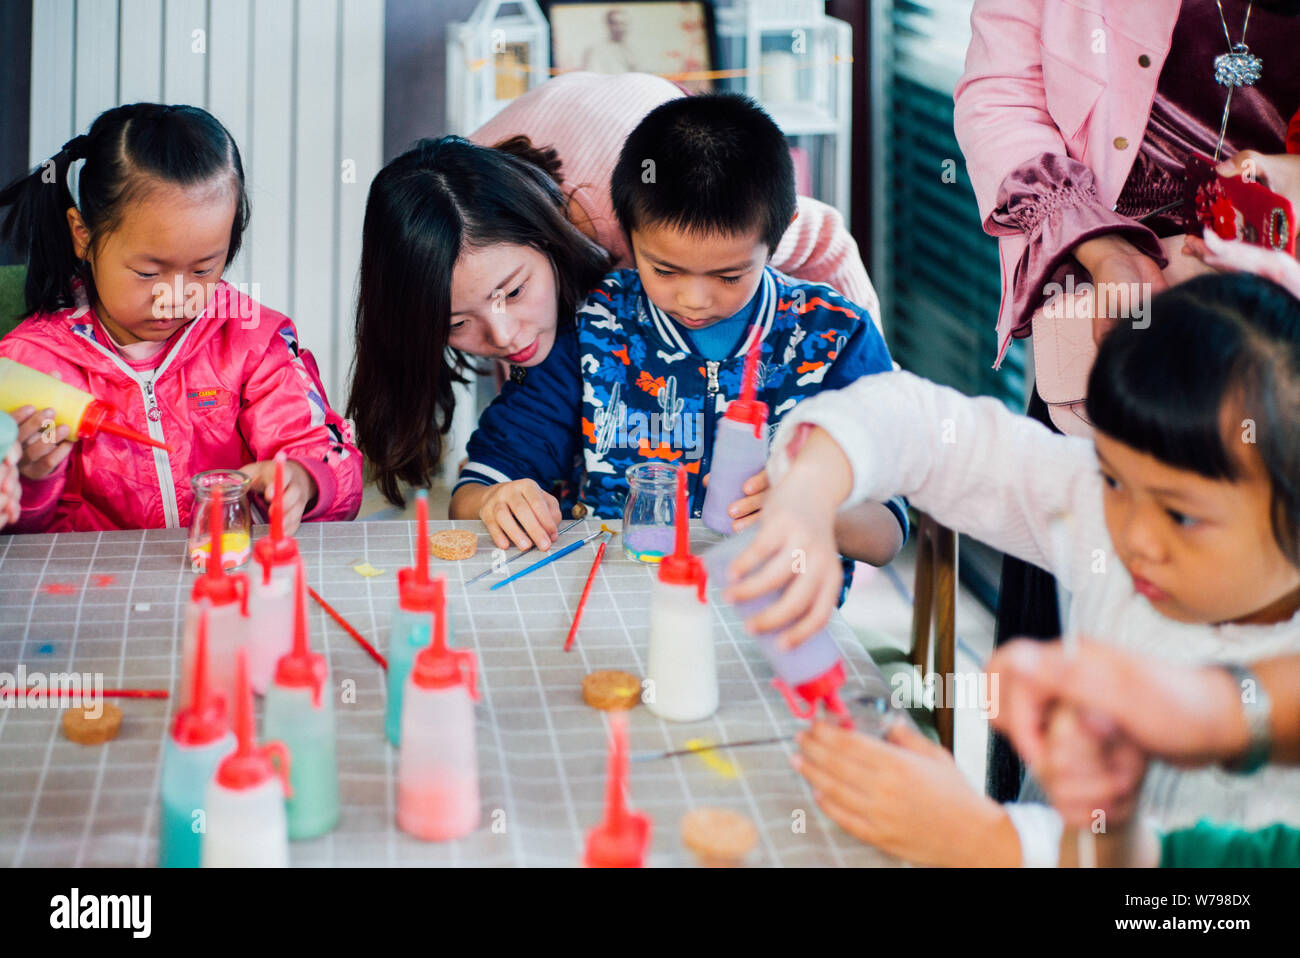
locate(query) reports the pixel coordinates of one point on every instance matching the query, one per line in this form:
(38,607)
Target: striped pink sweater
(586,117)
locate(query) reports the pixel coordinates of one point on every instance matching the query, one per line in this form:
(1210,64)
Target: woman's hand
(516,512)
(11,490)
(906,796)
(1237,256)
(299,489)
(45,447)
(1280,172)
(1117,265)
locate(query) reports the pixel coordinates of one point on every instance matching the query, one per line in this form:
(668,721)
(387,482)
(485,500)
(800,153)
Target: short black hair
(1215,345)
(713,163)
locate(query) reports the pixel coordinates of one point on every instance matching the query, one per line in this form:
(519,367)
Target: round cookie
(453,544)
(719,837)
(610,689)
(79,727)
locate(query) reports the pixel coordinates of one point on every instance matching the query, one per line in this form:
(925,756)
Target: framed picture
(667,37)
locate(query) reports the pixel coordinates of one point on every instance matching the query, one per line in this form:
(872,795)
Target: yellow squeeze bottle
(81,412)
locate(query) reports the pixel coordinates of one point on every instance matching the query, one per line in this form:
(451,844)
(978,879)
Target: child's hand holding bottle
(45,447)
(795,551)
(744,511)
(300,489)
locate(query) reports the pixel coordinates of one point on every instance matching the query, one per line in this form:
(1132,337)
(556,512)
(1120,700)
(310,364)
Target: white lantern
(501,51)
(798,64)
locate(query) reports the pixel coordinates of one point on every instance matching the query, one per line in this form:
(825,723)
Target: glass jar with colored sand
(649,511)
(231,487)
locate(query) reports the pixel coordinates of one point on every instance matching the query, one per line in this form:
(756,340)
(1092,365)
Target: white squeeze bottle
(271,594)
(246,822)
(437,769)
(227,618)
(682,673)
(739,449)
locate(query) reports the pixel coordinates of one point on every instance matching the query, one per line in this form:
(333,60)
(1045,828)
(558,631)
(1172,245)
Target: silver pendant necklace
(1238,67)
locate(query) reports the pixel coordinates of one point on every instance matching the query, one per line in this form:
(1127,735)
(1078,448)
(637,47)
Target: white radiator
(300,86)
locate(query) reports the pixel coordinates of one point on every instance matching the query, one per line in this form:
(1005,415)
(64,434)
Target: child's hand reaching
(299,489)
(45,447)
(11,492)
(518,512)
(794,550)
(744,511)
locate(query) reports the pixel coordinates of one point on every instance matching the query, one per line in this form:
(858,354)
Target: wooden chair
(935,597)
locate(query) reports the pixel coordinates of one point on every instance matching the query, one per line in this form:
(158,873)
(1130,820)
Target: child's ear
(80,235)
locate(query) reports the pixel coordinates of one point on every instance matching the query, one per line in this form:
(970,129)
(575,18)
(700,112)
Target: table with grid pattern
(113,603)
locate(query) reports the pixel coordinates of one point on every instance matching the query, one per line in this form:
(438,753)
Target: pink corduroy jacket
(1072,77)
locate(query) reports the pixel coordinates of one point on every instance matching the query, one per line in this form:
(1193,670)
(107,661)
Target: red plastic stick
(357,637)
(277,504)
(586,591)
(104,693)
(749,381)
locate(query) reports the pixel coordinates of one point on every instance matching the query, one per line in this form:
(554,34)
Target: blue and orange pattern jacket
(626,386)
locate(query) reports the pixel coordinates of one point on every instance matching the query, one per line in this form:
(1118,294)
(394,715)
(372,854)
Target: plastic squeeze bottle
(412,619)
(81,412)
(437,769)
(622,839)
(300,713)
(810,673)
(245,803)
(681,669)
(271,594)
(739,449)
(227,621)
(200,738)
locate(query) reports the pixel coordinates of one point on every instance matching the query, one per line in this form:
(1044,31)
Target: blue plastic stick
(541,562)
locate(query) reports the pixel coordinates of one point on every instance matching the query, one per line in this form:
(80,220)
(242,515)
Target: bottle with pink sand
(437,770)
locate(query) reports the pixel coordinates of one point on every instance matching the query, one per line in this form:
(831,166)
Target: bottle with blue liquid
(809,674)
(300,713)
(412,623)
(200,738)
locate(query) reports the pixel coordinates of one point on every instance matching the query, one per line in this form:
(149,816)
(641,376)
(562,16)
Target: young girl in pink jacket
(127,231)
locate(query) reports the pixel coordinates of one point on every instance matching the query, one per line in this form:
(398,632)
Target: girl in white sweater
(1184,522)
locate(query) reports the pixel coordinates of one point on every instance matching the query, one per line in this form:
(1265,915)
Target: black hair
(128,150)
(707,164)
(1216,345)
(425,207)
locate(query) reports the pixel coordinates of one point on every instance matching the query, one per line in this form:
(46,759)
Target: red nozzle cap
(95,420)
(415,592)
(682,568)
(214,585)
(437,666)
(301,668)
(621,840)
(249,766)
(277,548)
(825,689)
(747,408)
(204,722)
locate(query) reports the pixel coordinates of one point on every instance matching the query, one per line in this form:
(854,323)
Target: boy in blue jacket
(704,189)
